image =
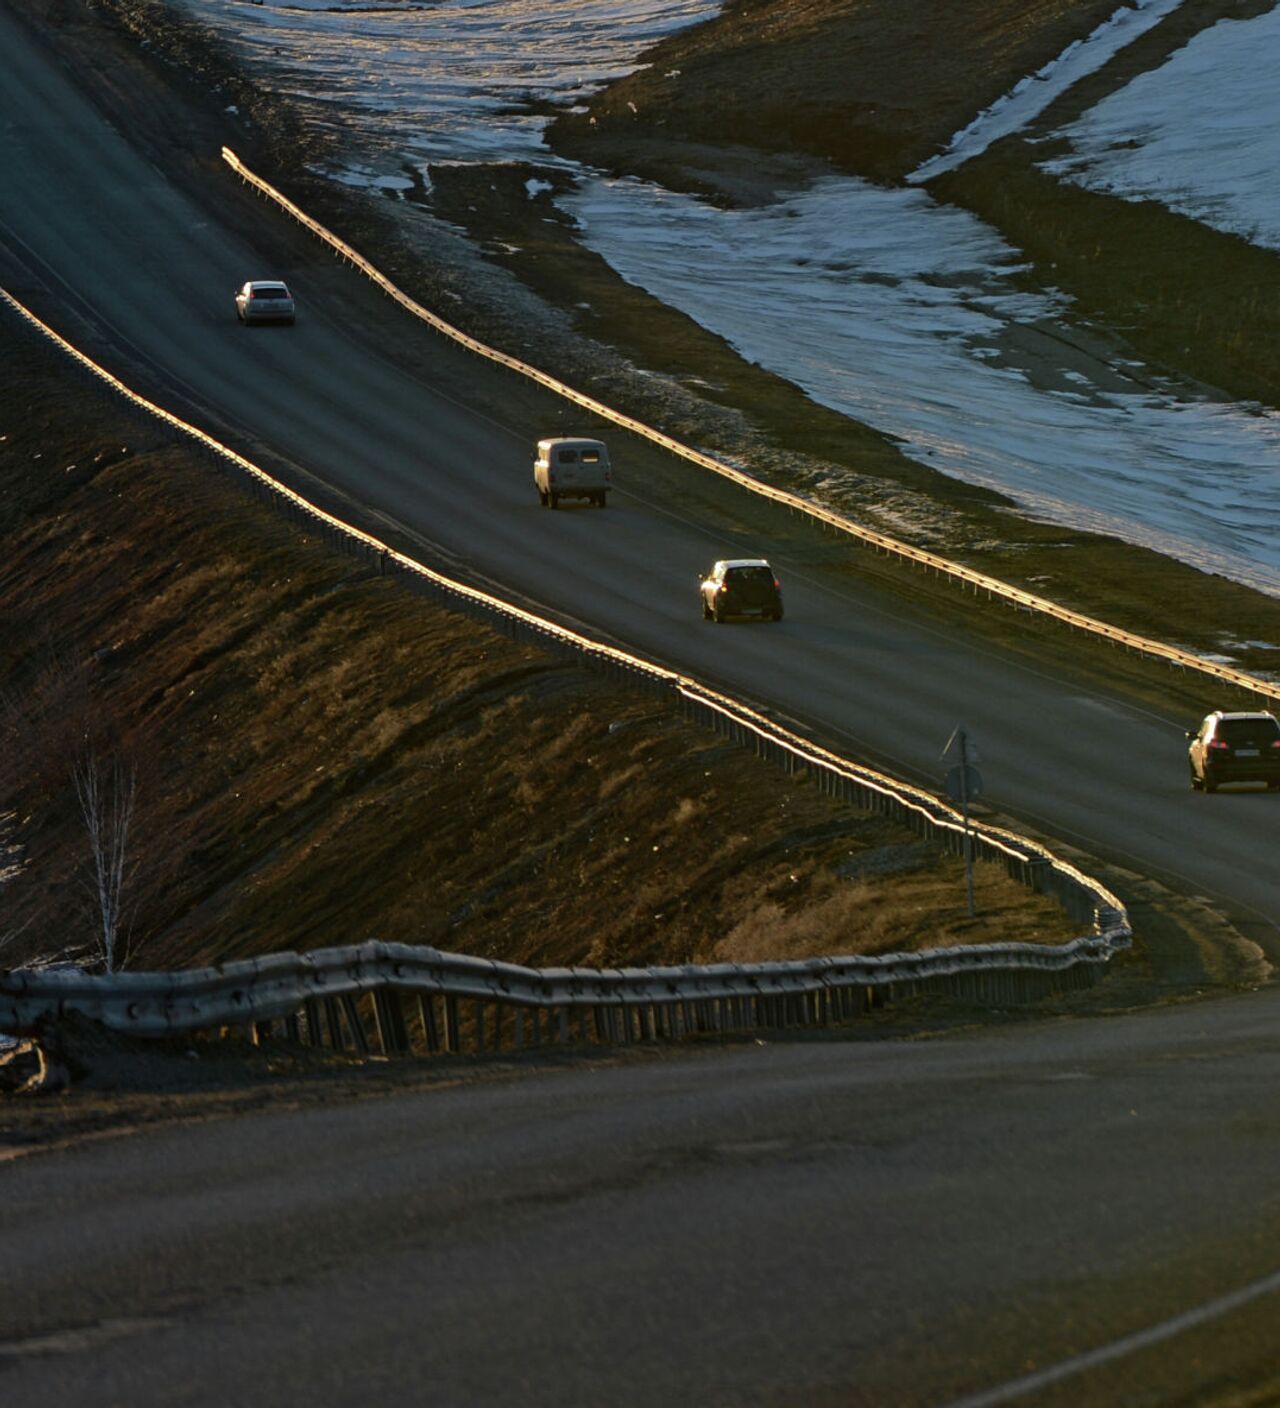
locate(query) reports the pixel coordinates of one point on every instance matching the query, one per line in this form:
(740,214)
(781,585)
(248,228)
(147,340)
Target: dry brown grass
(897,914)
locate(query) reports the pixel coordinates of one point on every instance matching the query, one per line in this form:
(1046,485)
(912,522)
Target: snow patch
(1214,157)
(1031,95)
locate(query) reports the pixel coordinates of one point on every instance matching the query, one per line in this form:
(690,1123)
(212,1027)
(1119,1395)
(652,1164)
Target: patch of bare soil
(869,86)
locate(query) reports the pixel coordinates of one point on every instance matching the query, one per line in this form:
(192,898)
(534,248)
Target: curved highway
(1050,1214)
(438,442)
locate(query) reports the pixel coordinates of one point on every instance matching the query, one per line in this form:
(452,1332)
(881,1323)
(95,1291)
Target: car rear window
(1247,730)
(270,293)
(568,457)
(750,574)
(591,457)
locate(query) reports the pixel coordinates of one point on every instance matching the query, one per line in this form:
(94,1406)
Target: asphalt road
(1057,1214)
(1051,1214)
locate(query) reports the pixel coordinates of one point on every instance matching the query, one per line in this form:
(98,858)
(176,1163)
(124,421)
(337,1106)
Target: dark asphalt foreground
(907,1223)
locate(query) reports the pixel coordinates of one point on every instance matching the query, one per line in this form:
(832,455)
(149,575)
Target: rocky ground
(322,759)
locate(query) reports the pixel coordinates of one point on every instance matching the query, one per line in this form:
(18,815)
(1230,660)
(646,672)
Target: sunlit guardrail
(965,577)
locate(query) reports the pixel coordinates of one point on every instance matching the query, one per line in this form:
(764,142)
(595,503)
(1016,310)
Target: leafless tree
(107,789)
(58,731)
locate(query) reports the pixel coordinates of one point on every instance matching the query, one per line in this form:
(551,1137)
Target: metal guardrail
(315,994)
(880,542)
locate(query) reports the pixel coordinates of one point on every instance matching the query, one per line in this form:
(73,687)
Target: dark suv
(1235,748)
(742,586)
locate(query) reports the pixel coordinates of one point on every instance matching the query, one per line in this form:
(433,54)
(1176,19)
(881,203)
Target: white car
(265,301)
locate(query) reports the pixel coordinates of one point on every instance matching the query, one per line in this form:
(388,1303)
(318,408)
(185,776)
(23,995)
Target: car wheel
(1195,781)
(1210,783)
(717,615)
(542,497)
(706,610)
(1273,786)
(553,499)
(776,615)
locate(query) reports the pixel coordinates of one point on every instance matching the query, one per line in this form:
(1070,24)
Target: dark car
(1235,748)
(743,586)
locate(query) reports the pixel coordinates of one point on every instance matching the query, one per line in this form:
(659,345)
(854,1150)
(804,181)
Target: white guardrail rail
(316,994)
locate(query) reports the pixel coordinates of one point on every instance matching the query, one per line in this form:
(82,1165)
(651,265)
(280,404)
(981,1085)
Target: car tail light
(1276,745)
(777,585)
(1219,743)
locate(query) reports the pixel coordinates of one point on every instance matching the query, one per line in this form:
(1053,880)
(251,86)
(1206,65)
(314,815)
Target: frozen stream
(879,303)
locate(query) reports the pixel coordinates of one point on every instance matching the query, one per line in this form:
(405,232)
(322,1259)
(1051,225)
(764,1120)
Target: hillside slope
(322,758)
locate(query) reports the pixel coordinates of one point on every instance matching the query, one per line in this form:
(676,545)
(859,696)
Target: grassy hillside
(323,758)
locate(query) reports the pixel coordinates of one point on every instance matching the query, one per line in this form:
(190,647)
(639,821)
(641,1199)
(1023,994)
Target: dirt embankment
(322,758)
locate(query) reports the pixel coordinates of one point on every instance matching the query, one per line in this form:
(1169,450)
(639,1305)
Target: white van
(569,467)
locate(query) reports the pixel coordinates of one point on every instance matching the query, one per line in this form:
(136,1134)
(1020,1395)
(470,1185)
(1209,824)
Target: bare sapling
(107,790)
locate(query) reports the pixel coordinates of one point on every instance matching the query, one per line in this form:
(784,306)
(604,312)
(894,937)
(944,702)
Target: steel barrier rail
(1025,861)
(881,542)
(252,991)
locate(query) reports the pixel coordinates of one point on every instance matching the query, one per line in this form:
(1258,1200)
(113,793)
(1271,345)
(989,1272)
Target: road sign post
(964,784)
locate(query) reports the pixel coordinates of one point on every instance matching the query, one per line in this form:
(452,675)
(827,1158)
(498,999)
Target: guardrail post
(333,1021)
(382,1023)
(426,1007)
(355,1023)
(479,1023)
(396,1037)
(452,1036)
(315,1037)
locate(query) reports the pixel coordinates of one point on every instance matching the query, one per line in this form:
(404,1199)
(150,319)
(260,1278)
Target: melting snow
(1214,156)
(1032,94)
(880,303)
